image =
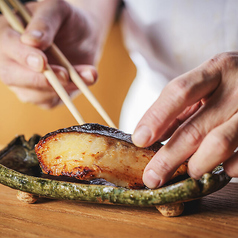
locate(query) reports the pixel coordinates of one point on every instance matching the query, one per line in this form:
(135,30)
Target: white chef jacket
(166,38)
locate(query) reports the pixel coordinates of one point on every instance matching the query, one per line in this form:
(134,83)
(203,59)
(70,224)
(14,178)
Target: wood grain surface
(213,216)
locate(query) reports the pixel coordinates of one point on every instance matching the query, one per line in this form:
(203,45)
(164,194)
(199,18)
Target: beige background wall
(116,73)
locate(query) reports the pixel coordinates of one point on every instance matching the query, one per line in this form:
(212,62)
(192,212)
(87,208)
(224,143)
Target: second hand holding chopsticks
(62,60)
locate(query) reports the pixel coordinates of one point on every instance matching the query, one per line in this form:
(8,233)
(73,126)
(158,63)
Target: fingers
(187,140)
(45,23)
(180,93)
(29,57)
(45,99)
(218,146)
(181,146)
(88,73)
(188,112)
(34,88)
(22,77)
(231,165)
(21,57)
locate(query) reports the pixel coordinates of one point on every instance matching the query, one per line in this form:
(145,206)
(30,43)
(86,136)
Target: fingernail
(141,136)
(151,179)
(63,78)
(32,37)
(36,34)
(87,74)
(35,62)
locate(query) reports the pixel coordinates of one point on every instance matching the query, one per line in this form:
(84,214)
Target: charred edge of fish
(94,128)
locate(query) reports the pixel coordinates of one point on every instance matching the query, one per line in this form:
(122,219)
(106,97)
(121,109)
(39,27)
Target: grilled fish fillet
(94,151)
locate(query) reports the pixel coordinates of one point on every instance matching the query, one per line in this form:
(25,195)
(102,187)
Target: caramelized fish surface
(93,151)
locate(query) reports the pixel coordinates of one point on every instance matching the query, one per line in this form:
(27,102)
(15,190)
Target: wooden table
(213,216)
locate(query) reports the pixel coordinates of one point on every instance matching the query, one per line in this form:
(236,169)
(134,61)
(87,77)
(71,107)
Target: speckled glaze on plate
(19,170)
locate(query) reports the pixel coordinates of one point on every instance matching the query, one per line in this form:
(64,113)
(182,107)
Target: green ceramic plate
(19,169)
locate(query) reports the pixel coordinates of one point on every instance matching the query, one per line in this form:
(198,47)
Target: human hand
(23,58)
(199,109)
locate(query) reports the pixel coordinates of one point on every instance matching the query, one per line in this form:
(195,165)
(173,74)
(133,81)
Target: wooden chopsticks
(24,13)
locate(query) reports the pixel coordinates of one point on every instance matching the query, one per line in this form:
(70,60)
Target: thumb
(46,20)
